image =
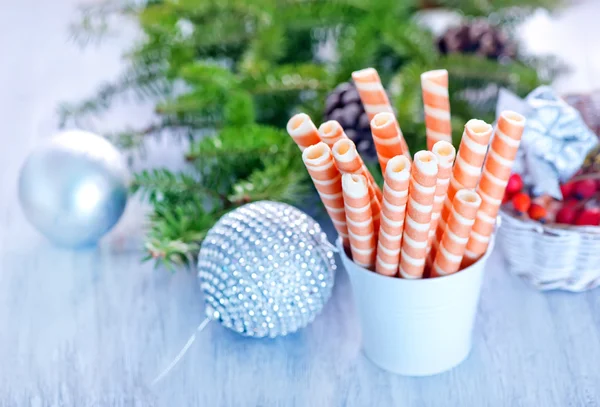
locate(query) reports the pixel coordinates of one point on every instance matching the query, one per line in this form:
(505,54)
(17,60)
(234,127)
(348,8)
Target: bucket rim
(462,274)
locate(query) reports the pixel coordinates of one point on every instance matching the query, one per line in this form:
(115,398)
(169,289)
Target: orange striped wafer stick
(452,248)
(359,219)
(331,132)
(445,154)
(467,167)
(374,99)
(386,136)
(303,131)
(349,162)
(371,92)
(436,103)
(328,182)
(423,175)
(496,172)
(393,209)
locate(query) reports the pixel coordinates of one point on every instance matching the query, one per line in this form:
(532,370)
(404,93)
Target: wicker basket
(551,257)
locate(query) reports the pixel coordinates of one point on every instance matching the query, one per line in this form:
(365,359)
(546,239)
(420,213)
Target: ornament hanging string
(199,329)
(181,353)
(258,245)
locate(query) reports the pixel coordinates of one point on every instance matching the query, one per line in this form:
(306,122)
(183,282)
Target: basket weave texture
(551,257)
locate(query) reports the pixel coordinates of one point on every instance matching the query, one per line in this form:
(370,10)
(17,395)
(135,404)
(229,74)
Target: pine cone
(343,105)
(477,37)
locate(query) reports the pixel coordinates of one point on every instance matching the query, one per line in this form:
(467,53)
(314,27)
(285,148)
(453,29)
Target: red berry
(566,215)
(570,203)
(521,202)
(537,212)
(584,189)
(567,190)
(588,217)
(514,185)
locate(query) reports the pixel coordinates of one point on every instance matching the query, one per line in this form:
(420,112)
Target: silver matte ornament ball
(73,188)
(266,269)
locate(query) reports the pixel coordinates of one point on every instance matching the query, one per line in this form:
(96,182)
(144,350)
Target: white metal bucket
(416,327)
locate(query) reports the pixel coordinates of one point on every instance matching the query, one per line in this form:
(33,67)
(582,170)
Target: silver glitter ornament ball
(266,269)
(73,188)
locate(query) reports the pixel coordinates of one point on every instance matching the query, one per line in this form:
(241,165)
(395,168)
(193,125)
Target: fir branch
(176,232)
(97,20)
(139,82)
(214,23)
(313,105)
(411,41)
(132,138)
(548,67)
(268,44)
(217,94)
(162,185)
(483,8)
(406,96)
(264,165)
(309,14)
(288,78)
(234,143)
(194,102)
(357,48)
(473,71)
(239,109)
(281,180)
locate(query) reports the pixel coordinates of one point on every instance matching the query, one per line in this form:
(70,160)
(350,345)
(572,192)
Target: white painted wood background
(93,328)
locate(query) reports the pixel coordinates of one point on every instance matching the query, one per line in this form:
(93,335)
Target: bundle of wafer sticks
(437,211)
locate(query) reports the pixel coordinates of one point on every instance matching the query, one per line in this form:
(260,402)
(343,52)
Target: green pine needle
(234,167)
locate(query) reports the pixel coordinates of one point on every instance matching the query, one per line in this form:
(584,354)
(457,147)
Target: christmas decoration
(584,189)
(553,244)
(73,188)
(266,269)
(579,206)
(521,202)
(477,37)
(515,184)
(589,216)
(567,214)
(566,189)
(555,143)
(550,234)
(343,105)
(237,75)
(537,212)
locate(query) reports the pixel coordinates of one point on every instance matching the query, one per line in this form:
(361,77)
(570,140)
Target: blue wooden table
(93,328)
